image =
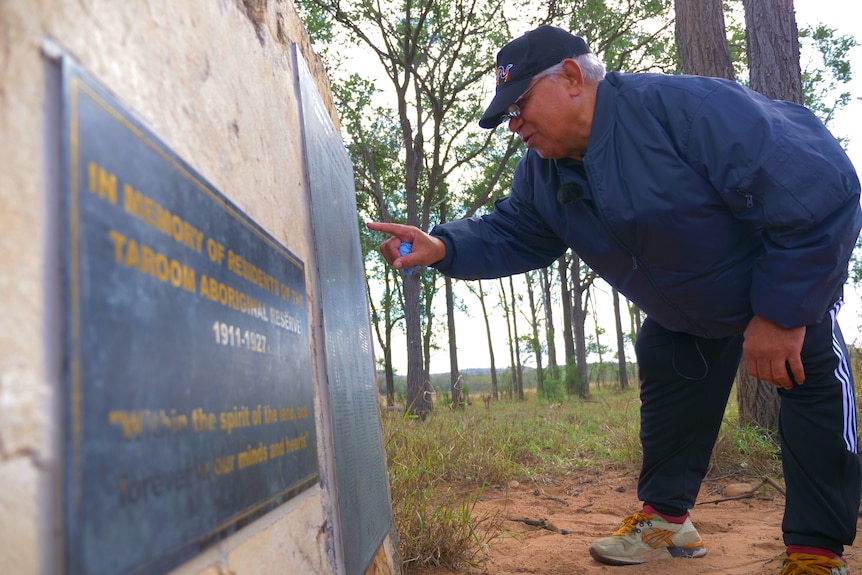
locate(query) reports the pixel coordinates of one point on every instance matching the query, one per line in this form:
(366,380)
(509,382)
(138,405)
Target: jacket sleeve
(514,238)
(778,168)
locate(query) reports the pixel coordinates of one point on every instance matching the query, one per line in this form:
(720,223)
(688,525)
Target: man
(729,219)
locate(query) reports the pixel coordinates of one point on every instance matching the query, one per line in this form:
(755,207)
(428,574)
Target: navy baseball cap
(524,57)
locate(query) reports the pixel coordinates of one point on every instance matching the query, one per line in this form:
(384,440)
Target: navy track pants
(685,384)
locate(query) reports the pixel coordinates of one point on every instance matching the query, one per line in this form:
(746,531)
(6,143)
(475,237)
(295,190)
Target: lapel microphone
(569,192)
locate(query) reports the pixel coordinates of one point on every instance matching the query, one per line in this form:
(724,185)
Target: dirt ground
(743,537)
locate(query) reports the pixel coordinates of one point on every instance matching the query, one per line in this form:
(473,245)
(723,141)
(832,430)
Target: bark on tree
(535,342)
(701,38)
(418,401)
(384,336)
(758,400)
(495,394)
(519,374)
(761,400)
(579,317)
(454,374)
(599,348)
(550,336)
(773,49)
(635,318)
(513,377)
(568,334)
(389,373)
(621,345)
(429,294)
(417,394)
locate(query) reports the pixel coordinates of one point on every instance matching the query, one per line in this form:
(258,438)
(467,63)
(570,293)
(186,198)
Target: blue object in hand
(404,249)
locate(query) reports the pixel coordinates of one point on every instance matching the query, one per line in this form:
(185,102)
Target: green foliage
(821,79)
(594,346)
(629,36)
(856,263)
(409,80)
(746,449)
(554,390)
(430,62)
(734,23)
(317,20)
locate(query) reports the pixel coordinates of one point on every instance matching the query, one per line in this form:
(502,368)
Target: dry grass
(435,465)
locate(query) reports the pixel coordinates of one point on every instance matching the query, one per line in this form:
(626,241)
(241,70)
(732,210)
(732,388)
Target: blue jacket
(700,200)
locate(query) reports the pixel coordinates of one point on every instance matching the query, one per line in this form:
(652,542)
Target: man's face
(547,123)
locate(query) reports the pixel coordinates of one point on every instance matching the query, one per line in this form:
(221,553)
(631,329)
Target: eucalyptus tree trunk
(384,335)
(568,334)
(495,394)
(600,371)
(504,303)
(535,342)
(635,318)
(621,342)
(426,319)
(518,377)
(773,49)
(454,374)
(418,401)
(701,38)
(549,325)
(579,317)
(758,400)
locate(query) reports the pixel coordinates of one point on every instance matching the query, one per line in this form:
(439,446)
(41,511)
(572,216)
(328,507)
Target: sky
(470,327)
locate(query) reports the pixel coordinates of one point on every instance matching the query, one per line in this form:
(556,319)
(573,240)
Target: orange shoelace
(631,522)
(805,564)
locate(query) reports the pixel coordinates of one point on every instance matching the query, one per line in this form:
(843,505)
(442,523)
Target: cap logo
(503,73)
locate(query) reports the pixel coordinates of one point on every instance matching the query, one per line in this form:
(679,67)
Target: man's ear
(574,76)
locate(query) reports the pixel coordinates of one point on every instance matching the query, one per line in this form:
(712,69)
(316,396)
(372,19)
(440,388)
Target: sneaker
(805,564)
(645,538)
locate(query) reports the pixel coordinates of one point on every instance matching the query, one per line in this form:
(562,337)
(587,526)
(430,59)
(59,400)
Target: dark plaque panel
(189,399)
(360,466)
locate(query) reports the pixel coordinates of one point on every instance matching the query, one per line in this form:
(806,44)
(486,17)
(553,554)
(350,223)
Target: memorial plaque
(189,400)
(360,464)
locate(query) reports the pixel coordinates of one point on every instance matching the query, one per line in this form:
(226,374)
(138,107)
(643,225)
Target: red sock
(812,551)
(676,519)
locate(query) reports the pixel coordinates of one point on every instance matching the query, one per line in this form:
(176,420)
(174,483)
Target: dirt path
(742,537)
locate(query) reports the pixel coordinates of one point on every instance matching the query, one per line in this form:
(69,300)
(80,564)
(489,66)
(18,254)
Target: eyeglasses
(514,111)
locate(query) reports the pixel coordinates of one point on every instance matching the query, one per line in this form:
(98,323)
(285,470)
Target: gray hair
(591,66)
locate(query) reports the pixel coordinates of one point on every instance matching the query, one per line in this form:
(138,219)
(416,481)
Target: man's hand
(771,350)
(426,249)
